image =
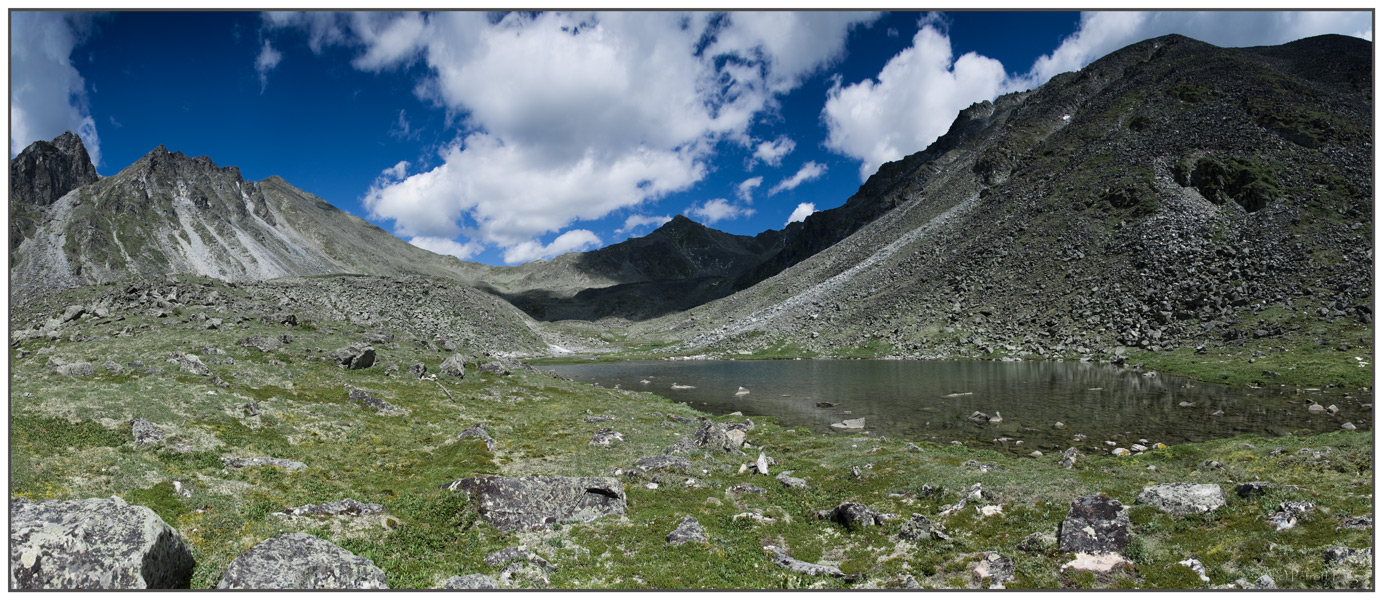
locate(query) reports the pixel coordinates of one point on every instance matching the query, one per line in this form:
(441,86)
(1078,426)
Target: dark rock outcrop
(854,514)
(358,355)
(1094,525)
(298,561)
(98,543)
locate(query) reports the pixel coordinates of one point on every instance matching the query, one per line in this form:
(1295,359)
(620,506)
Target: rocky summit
(217,382)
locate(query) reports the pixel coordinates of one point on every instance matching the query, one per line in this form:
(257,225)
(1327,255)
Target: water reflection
(931,400)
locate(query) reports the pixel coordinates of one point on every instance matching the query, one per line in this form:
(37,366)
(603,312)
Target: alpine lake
(1040,405)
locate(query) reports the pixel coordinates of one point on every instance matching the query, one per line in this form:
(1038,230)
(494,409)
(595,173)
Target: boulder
(355,356)
(480,432)
(298,561)
(190,363)
(782,559)
(849,424)
(474,581)
(1068,458)
(364,397)
(496,367)
(788,480)
(1183,498)
(97,543)
(508,556)
(418,370)
(689,530)
(997,568)
(920,528)
(1343,554)
(71,369)
(725,437)
(1094,525)
(605,437)
(262,343)
(453,366)
(854,514)
(145,433)
(523,503)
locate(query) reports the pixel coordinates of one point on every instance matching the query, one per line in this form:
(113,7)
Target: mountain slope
(41,174)
(1173,193)
(172,214)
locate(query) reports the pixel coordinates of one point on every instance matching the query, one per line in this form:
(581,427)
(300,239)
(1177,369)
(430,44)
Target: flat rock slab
(364,397)
(782,559)
(663,463)
(298,561)
(1096,563)
(1183,498)
(261,461)
(854,514)
(997,568)
(1094,525)
(523,503)
(97,543)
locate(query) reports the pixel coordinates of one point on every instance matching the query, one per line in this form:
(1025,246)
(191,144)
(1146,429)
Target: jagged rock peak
(45,171)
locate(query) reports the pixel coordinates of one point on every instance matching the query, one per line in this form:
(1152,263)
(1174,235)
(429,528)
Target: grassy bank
(70,438)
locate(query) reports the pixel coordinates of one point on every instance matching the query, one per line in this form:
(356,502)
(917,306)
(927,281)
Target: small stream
(933,400)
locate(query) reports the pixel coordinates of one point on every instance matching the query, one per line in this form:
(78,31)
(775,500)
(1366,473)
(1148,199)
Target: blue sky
(503,138)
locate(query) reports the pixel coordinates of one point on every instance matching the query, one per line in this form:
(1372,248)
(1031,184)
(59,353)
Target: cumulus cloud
(268,59)
(47,94)
(447,246)
(808,172)
(746,188)
(772,152)
(571,116)
(575,240)
(802,211)
(640,221)
(719,209)
(912,102)
(918,93)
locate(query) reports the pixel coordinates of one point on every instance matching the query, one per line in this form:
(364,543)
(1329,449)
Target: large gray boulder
(1094,525)
(298,561)
(144,432)
(453,366)
(854,514)
(523,503)
(97,543)
(190,363)
(1183,498)
(355,356)
(689,530)
(71,369)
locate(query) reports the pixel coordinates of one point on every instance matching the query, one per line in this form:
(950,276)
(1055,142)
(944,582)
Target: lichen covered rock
(97,543)
(298,561)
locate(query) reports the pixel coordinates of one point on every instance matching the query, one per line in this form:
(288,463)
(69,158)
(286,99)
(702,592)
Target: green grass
(70,439)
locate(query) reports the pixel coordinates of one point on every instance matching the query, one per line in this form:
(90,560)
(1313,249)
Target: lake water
(932,400)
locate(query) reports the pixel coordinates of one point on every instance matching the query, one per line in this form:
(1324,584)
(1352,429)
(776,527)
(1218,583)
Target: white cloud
(802,211)
(47,94)
(447,246)
(575,240)
(772,152)
(913,101)
(268,59)
(808,172)
(639,221)
(719,209)
(569,117)
(745,189)
(396,172)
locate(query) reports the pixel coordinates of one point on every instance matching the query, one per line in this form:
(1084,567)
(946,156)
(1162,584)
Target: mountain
(173,214)
(1172,193)
(41,174)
